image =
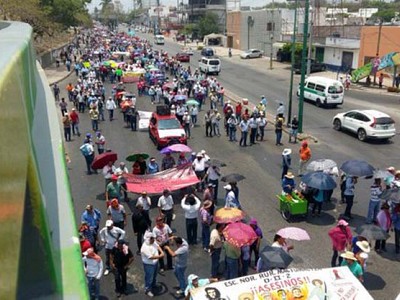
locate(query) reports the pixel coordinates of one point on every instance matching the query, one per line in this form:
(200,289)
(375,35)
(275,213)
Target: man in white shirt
(163,232)
(166,206)
(145,202)
(110,106)
(109,235)
(213,175)
(191,205)
(244,128)
(108,170)
(199,166)
(120,171)
(100,142)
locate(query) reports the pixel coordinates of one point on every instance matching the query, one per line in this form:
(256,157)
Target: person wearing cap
(244,129)
(194,282)
(253,126)
(180,254)
(199,166)
(288,183)
(376,190)
(100,142)
(187,123)
(206,221)
(191,205)
(349,194)
(120,260)
(230,197)
(215,122)
(151,253)
(109,235)
(84,242)
(286,161)
(384,221)
(94,117)
(294,129)
(165,206)
(162,233)
(350,261)
(92,217)
(305,156)
(278,131)
(93,266)
(168,162)
(74,122)
(116,213)
(341,238)
(113,190)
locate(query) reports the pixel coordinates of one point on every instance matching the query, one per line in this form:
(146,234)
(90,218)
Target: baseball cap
(109,223)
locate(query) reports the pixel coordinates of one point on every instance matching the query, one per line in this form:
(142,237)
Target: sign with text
(315,284)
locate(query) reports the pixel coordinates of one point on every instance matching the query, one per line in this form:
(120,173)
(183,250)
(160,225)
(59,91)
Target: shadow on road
(373,282)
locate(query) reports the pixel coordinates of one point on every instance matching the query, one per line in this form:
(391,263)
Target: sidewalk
(55,75)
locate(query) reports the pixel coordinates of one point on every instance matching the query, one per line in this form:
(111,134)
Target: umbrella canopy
(176,148)
(275,257)
(321,165)
(217,163)
(294,233)
(168,85)
(359,168)
(103,159)
(228,215)
(319,180)
(234,177)
(372,232)
(239,234)
(192,102)
(392,195)
(382,174)
(135,157)
(180,97)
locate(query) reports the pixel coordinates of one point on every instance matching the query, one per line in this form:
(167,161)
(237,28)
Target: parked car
(182,57)
(165,129)
(315,67)
(367,124)
(207,52)
(251,53)
(187,50)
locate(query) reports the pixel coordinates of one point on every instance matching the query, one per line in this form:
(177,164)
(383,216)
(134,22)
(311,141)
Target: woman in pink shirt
(341,237)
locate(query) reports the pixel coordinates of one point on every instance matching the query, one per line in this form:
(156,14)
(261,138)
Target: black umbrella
(217,163)
(372,232)
(232,178)
(358,168)
(319,180)
(275,257)
(392,195)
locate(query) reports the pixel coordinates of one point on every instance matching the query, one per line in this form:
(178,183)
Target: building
(146,4)
(195,9)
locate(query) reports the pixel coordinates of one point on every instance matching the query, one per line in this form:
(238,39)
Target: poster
(361,72)
(315,284)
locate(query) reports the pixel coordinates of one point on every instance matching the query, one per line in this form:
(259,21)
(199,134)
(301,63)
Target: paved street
(261,166)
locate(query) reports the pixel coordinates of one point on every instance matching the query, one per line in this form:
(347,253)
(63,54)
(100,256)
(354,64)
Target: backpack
(85,149)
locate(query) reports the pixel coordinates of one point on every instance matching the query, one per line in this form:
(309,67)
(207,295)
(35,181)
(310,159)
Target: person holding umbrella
(384,221)
(280,242)
(319,198)
(349,194)
(139,167)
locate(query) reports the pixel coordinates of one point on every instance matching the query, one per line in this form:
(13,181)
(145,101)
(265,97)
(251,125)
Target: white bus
(323,91)
(159,39)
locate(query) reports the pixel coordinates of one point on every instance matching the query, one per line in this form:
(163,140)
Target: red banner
(172,179)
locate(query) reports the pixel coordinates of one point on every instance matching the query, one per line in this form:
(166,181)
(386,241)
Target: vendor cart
(292,205)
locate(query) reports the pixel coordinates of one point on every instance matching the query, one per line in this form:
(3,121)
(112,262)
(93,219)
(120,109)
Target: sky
(128,4)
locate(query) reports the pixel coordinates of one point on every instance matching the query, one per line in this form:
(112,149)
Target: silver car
(251,53)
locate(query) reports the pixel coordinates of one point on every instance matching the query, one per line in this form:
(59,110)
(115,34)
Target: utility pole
(293,62)
(158,18)
(310,43)
(303,64)
(376,64)
(271,37)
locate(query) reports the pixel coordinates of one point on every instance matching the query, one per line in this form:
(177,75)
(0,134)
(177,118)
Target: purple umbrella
(176,148)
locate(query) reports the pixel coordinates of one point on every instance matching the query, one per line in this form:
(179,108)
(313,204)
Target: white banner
(315,284)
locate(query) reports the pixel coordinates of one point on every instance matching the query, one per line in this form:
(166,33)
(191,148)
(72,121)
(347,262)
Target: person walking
(286,161)
(94,118)
(88,152)
(305,156)
(116,212)
(56,91)
(244,129)
(278,131)
(261,122)
(231,126)
(120,260)
(109,235)
(145,201)
(341,238)
(100,142)
(376,190)
(92,217)
(253,125)
(199,167)
(294,129)
(191,205)
(206,221)
(384,221)
(110,106)
(166,206)
(141,223)
(230,197)
(187,123)
(349,194)
(207,123)
(93,266)
(213,174)
(162,233)
(319,198)
(74,122)
(120,171)
(66,120)
(151,253)
(181,257)
(63,106)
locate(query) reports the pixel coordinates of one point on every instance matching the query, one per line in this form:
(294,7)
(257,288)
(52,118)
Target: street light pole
(310,44)
(377,49)
(293,62)
(303,63)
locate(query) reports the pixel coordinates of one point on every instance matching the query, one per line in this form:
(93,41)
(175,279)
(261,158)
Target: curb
(61,79)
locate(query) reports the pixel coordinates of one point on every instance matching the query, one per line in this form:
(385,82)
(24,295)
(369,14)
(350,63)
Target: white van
(323,91)
(159,39)
(209,65)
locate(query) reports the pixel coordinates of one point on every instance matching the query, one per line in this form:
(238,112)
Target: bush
(392,89)
(200,47)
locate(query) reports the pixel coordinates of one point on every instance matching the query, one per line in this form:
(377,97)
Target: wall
(40,255)
(390,41)
(347,31)
(233,25)
(333,57)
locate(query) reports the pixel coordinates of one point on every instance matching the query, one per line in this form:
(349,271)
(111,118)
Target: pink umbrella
(239,234)
(176,148)
(294,233)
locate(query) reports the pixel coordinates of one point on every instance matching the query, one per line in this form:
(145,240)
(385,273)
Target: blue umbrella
(180,97)
(358,168)
(319,180)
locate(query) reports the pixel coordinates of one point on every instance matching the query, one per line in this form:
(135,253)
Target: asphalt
(261,166)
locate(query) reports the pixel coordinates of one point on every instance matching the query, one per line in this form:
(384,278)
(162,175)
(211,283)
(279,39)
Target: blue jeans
(373,210)
(278,136)
(94,287)
(205,235)
(194,119)
(243,139)
(215,127)
(95,125)
(232,268)
(215,256)
(232,133)
(150,276)
(180,275)
(349,204)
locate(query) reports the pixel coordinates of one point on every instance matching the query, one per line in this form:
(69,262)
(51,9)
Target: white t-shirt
(147,251)
(145,202)
(162,234)
(199,164)
(165,203)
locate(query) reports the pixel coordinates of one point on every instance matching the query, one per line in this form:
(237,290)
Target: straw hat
(348,255)
(286,151)
(207,204)
(289,175)
(364,246)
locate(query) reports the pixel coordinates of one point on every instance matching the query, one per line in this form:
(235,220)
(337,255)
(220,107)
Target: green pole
(303,64)
(292,68)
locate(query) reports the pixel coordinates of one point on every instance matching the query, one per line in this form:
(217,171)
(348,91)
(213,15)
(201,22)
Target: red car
(182,57)
(165,129)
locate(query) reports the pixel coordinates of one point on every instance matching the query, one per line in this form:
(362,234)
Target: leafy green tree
(188,29)
(385,15)
(208,24)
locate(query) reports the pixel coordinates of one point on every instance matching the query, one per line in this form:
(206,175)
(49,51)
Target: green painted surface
(312,91)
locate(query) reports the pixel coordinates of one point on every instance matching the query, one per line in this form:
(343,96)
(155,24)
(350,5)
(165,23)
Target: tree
(208,24)
(385,15)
